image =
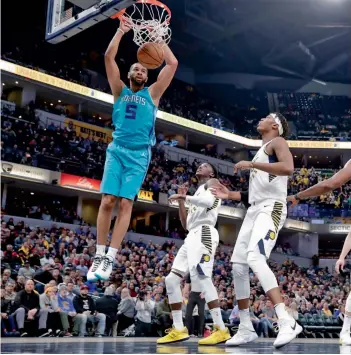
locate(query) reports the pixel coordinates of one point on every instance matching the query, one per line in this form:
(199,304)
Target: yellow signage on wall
(90,131)
(145,195)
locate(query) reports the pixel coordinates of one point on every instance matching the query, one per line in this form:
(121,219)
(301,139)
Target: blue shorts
(125,170)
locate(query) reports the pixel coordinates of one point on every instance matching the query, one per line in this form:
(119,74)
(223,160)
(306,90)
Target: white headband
(279,123)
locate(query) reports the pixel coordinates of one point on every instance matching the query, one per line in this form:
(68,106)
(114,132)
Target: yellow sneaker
(173,335)
(217,336)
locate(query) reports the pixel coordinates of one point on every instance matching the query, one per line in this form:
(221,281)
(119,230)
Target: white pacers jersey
(265,186)
(198,216)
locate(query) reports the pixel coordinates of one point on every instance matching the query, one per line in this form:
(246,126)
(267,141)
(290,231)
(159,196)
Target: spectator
(67,311)
(144,307)
(164,315)
(108,305)
(126,311)
(326,311)
(85,307)
(26,270)
(28,300)
(8,326)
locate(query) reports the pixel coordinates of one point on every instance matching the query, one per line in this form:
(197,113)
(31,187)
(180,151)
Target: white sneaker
(104,270)
(94,266)
(345,338)
(244,335)
(288,331)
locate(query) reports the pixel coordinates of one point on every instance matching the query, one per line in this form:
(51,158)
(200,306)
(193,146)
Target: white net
(149,21)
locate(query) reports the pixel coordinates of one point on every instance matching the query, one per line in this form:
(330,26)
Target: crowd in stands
(60,149)
(44,290)
(311,115)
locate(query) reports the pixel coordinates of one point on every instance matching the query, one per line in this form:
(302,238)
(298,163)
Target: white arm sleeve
(205,200)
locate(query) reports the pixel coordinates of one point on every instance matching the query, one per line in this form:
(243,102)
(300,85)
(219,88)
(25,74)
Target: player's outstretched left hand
(340,264)
(176,197)
(243,165)
(293,200)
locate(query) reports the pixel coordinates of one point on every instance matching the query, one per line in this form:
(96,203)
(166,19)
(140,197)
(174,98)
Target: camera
(141,295)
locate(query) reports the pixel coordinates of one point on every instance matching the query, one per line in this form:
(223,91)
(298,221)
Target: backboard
(66,18)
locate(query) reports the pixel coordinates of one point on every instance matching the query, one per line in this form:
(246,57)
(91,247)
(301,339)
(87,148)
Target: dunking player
(128,155)
(336,181)
(196,256)
(269,171)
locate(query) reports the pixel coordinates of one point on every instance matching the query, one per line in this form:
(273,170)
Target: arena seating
(69,253)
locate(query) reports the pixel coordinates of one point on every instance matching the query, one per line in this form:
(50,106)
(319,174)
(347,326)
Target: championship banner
(83,183)
(90,131)
(25,172)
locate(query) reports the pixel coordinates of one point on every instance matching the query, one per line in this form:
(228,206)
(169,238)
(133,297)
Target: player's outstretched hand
(125,24)
(220,191)
(183,189)
(340,264)
(176,197)
(293,200)
(243,165)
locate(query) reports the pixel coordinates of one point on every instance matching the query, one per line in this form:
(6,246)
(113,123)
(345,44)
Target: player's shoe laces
(244,335)
(345,338)
(217,336)
(96,263)
(173,335)
(288,331)
(104,270)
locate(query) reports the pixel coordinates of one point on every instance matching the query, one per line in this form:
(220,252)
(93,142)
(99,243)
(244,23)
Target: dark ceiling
(290,38)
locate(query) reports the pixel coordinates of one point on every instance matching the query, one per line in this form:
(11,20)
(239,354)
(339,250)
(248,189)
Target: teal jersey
(134,116)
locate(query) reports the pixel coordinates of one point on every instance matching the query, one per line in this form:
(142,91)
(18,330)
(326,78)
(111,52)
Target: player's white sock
(112,253)
(178,320)
(217,317)
(347,324)
(100,249)
(281,311)
(245,318)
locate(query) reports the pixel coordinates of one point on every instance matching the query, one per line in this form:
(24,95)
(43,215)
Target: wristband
(119,29)
(244,197)
(297,198)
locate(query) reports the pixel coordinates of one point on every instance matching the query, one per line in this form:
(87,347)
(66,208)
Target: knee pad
(173,288)
(258,265)
(241,281)
(348,304)
(206,287)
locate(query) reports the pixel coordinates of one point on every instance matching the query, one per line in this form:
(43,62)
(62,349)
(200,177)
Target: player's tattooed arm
(336,181)
(112,70)
(165,77)
(285,164)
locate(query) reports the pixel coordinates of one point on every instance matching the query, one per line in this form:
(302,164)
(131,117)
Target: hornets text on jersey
(134,116)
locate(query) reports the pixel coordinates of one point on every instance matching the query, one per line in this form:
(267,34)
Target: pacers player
(196,256)
(326,186)
(269,171)
(128,155)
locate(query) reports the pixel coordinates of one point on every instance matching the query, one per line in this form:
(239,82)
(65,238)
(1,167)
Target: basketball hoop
(149,20)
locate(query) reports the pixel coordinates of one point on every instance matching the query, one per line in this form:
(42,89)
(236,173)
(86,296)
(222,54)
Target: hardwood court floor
(122,345)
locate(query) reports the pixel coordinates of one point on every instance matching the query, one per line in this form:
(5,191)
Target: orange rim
(151,2)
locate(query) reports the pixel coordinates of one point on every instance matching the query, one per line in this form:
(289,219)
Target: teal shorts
(125,170)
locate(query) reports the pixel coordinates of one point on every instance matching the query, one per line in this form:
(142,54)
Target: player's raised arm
(284,166)
(336,181)
(112,70)
(165,77)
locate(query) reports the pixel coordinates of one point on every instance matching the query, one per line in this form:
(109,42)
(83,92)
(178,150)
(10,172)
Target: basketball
(151,55)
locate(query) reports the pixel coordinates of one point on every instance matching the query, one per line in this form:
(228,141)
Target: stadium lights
(51,104)
(59,100)
(19,116)
(99,118)
(3,84)
(16,82)
(32,193)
